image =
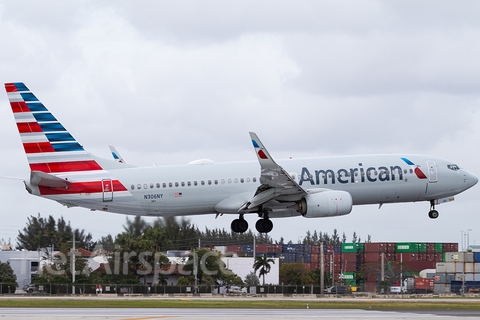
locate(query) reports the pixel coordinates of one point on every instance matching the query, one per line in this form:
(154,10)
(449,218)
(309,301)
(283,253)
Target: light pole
(468,238)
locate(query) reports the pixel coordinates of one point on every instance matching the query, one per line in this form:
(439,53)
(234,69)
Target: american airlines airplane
(63,171)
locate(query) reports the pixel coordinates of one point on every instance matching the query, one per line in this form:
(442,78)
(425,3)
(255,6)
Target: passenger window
(235,180)
(202,183)
(133,187)
(151,185)
(170,184)
(216,181)
(209,182)
(411,171)
(183,184)
(404,171)
(158,185)
(254,179)
(176,184)
(139,186)
(189,183)
(144,186)
(164,185)
(229,180)
(241,180)
(223,181)
(194,183)
(248,180)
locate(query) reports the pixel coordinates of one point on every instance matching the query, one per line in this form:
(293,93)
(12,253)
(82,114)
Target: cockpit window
(453,167)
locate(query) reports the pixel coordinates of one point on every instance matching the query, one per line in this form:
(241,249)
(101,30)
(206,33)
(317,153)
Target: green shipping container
(349,247)
(407,247)
(422,247)
(438,247)
(350,276)
(361,247)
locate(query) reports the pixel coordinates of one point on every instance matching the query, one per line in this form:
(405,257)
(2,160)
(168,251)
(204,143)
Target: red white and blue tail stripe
(49,146)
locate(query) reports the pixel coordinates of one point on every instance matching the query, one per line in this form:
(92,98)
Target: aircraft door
(432,171)
(107,188)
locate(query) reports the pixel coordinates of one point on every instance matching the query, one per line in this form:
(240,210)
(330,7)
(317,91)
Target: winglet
(116,155)
(265,159)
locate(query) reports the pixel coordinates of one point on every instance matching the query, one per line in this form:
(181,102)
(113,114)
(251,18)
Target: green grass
(185,303)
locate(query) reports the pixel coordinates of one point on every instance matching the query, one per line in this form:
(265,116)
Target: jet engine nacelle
(325,204)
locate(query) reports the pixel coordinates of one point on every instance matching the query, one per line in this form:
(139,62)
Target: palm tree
(262,263)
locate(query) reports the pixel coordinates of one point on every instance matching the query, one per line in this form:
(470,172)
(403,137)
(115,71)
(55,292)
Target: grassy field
(284,304)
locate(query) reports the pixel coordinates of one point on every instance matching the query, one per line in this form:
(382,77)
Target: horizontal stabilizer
(40,178)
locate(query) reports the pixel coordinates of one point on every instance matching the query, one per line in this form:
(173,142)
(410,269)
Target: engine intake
(325,204)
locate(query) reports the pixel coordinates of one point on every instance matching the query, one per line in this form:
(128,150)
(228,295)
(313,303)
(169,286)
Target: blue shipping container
(337,249)
(476,257)
(299,248)
(299,257)
(248,248)
(456,286)
(291,257)
(288,248)
(306,258)
(308,248)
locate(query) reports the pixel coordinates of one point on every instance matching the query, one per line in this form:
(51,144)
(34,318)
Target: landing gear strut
(433,214)
(239,225)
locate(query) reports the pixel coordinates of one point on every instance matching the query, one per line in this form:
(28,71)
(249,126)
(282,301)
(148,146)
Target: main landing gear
(239,225)
(433,214)
(264,225)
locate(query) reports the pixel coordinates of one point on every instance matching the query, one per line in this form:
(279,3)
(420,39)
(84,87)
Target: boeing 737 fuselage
(63,171)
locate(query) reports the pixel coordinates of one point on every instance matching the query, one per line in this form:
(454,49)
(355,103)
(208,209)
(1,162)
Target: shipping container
(299,248)
(420,265)
(406,247)
(349,256)
(406,256)
(350,267)
(299,257)
(477,267)
(456,286)
(234,249)
(469,257)
(439,257)
(438,247)
(422,247)
(315,248)
(277,248)
(370,286)
(469,268)
(424,285)
(441,267)
(476,256)
(308,248)
(440,288)
(454,256)
(307,258)
(454,267)
(372,257)
(464,277)
(337,249)
(248,248)
(289,248)
(349,247)
(349,276)
(315,258)
(361,247)
(437,277)
(372,247)
(430,247)
(262,248)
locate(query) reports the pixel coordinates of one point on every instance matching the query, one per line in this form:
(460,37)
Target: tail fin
(49,146)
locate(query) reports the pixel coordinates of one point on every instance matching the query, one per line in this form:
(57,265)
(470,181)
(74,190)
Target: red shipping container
(430,257)
(372,257)
(330,248)
(372,279)
(350,267)
(389,257)
(234,249)
(372,247)
(430,247)
(277,248)
(439,257)
(337,258)
(407,256)
(315,248)
(262,248)
(422,257)
(424,284)
(421,265)
(315,266)
(314,258)
(391,247)
(349,256)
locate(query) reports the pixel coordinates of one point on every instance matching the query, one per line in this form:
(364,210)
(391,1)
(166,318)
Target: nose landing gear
(433,214)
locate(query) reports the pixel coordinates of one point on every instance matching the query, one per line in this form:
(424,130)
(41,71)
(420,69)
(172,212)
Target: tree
(44,232)
(262,263)
(294,274)
(208,262)
(252,280)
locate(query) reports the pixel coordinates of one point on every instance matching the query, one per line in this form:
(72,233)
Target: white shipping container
(469,267)
(476,277)
(450,267)
(469,257)
(477,267)
(464,276)
(459,267)
(442,269)
(441,288)
(454,257)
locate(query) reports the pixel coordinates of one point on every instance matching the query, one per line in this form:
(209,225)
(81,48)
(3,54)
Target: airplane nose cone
(471,179)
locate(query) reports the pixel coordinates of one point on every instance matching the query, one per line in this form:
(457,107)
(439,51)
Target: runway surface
(251,314)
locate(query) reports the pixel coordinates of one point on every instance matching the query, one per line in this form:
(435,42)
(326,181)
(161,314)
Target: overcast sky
(168,82)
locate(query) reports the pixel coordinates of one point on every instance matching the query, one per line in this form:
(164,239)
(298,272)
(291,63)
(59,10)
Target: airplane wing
(276,183)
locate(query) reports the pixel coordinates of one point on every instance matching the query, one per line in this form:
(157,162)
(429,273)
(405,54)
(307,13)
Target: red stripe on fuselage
(65,166)
(81,187)
(27,127)
(10,87)
(39,147)
(19,107)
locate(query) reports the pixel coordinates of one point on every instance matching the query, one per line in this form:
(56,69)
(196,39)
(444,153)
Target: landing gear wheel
(264,225)
(433,214)
(239,225)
